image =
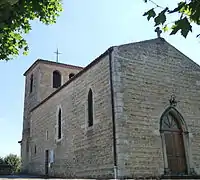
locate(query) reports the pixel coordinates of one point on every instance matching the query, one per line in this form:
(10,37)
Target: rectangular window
(27,146)
(51,158)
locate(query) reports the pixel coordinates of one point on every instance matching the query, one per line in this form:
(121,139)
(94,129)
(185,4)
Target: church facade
(132,112)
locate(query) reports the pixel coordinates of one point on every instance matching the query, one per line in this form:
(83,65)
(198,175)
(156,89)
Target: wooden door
(175,152)
(46,162)
(174,146)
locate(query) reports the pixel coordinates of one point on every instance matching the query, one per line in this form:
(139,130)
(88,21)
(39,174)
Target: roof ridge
(143,41)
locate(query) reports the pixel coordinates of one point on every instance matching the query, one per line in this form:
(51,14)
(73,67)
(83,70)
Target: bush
(5,169)
(1,160)
(14,162)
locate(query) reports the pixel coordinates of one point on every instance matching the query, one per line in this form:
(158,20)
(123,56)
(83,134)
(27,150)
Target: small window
(27,146)
(71,75)
(47,135)
(31,83)
(56,79)
(35,149)
(52,156)
(90,108)
(59,124)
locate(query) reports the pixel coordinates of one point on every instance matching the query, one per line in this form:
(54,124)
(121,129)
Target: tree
(188,12)
(15,17)
(1,160)
(14,161)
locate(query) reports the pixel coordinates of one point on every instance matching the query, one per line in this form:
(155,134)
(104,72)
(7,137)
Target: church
(133,112)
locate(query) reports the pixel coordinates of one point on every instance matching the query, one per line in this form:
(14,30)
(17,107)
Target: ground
(21,177)
(25,177)
(18,177)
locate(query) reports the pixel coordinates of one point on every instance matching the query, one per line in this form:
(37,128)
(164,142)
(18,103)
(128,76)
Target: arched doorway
(172,136)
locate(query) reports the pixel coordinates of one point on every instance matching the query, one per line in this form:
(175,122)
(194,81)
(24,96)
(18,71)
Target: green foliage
(183,25)
(1,160)
(15,22)
(188,11)
(150,14)
(161,18)
(14,161)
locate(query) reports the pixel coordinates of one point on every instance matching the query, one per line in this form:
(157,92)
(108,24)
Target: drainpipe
(110,50)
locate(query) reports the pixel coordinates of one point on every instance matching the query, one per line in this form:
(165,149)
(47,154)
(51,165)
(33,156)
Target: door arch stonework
(174,135)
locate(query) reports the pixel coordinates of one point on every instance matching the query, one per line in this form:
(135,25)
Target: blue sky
(83,31)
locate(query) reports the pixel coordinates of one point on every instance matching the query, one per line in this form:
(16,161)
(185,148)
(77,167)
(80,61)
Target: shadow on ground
(19,177)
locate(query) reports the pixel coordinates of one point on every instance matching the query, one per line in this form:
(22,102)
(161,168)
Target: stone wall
(42,87)
(46,77)
(145,75)
(82,151)
(30,100)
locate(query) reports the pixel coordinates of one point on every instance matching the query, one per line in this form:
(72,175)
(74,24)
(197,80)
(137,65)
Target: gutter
(110,50)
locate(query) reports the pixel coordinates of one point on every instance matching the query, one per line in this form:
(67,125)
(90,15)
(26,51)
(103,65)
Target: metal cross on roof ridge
(57,53)
(158,31)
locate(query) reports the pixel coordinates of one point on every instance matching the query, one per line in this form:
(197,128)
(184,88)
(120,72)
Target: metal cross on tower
(158,32)
(57,53)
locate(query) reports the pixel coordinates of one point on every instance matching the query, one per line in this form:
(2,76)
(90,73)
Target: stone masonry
(146,74)
(82,151)
(140,78)
(42,72)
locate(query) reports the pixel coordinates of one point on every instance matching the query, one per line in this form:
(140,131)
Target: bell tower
(41,79)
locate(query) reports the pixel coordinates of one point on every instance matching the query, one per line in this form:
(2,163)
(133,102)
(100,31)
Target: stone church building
(132,112)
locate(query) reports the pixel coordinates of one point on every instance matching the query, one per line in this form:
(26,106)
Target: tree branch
(156,4)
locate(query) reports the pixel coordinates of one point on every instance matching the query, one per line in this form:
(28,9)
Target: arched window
(56,79)
(71,75)
(59,124)
(90,108)
(31,83)
(172,138)
(35,149)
